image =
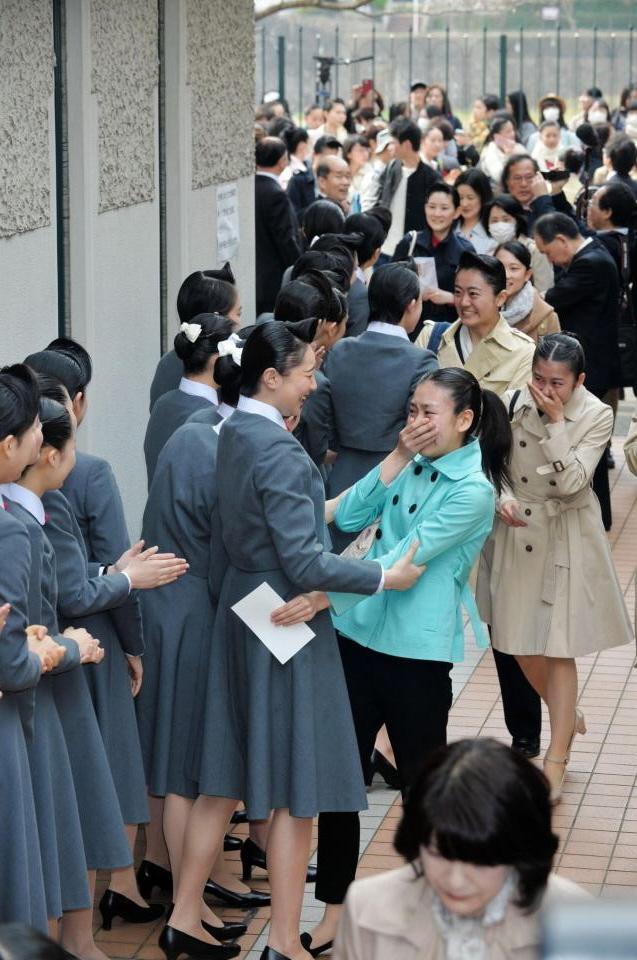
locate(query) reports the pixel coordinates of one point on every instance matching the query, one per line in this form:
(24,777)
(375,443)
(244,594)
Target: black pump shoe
(115,905)
(270,954)
(229,930)
(306,942)
(232,843)
(244,901)
(387,770)
(174,942)
(253,856)
(151,875)
(239,816)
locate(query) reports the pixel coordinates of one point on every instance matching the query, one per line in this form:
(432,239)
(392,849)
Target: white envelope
(255,609)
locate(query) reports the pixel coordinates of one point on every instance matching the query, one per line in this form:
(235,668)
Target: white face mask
(551,113)
(597,116)
(502,232)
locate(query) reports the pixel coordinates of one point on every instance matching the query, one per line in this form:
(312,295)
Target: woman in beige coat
(476,832)
(498,355)
(546,582)
(524,309)
(630,445)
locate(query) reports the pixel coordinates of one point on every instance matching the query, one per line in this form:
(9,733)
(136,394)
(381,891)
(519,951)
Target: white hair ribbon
(192,331)
(230,348)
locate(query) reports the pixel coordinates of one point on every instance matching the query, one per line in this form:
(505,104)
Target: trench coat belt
(563,533)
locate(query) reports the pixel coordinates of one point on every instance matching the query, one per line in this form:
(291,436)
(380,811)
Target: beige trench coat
(551,587)
(630,445)
(390,917)
(500,362)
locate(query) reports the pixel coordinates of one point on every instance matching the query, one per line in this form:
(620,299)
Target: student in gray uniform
(278,736)
(370,379)
(196,346)
(374,235)
(205,291)
(21,665)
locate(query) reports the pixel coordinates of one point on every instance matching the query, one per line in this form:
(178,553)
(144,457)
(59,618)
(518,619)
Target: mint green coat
(447,504)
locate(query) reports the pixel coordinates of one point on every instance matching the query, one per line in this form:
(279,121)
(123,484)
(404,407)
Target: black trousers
(521,704)
(413,699)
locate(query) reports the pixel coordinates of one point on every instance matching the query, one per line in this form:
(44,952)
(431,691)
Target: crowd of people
(424,401)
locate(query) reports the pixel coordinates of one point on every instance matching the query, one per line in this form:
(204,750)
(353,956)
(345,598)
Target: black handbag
(627,322)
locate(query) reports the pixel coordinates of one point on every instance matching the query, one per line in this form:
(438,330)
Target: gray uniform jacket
(169,413)
(169,372)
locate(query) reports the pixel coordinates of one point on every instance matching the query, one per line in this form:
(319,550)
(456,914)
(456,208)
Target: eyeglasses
(522,178)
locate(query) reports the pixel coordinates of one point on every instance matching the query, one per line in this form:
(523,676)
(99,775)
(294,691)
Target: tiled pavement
(597,818)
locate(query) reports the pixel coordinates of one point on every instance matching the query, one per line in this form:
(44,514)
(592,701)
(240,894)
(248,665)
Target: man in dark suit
(277,246)
(302,188)
(404,184)
(586,299)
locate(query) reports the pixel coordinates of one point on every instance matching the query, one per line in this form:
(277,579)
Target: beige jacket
(541,320)
(390,917)
(551,587)
(630,447)
(500,362)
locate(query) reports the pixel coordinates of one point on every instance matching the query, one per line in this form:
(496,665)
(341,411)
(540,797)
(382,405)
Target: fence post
(630,52)
(484,61)
(281,64)
(521,84)
(411,56)
(447,58)
(263,36)
(503,67)
(337,53)
(301,65)
(558,47)
(374,52)
(576,63)
(612,62)
(595,56)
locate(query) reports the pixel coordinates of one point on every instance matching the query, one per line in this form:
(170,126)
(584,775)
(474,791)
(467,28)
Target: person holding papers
(277,735)
(437,487)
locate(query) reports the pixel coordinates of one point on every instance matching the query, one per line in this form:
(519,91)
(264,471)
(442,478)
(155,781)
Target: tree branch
(315,4)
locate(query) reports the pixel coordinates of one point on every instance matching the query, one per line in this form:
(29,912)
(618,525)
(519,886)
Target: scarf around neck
(519,305)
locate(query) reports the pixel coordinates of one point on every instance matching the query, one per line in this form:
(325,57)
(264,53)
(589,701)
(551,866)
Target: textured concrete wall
(124,81)
(26,87)
(220,51)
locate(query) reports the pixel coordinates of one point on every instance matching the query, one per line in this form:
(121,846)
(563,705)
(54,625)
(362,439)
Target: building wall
(113,164)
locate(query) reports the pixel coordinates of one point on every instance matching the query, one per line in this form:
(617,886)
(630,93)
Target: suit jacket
(302,191)
(418,185)
(277,245)
(586,299)
(169,372)
(358,309)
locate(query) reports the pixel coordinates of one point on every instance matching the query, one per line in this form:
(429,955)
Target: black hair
(57,426)
(311,295)
(227,375)
(19,395)
(550,225)
(337,268)
(52,388)
(312,106)
(497,124)
(563,347)
(620,200)
(329,104)
(518,250)
(371,230)
(293,137)
(269,345)
(279,127)
(511,206)
(383,215)
(491,101)
(268,152)
(513,161)
(439,123)
(327,142)
(206,291)
(518,101)
(391,290)
(341,252)
(71,347)
(195,355)
(573,160)
(480,802)
(322,216)
(20,942)
(439,186)
(479,183)
(490,268)
(351,142)
(596,94)
(398,110)
(622,154)
(61,366)
(406,130)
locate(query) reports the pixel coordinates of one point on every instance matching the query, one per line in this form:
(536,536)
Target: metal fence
(467,64)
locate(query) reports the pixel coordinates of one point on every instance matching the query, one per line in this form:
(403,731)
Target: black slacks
(412,698)
(521,704)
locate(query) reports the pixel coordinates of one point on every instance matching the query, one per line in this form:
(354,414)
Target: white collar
(26,498)
(250,405)
(272,176)
(585,244)
(360,274)
(196,389)
(391,329)
(622,230)
(225,410)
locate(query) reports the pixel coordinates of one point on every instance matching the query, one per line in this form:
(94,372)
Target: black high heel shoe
(270,954)
(232,843)
(387,770)
(115,905)
(174,942)
(229,930)
(244,901)
(253,856)
(306,942)
(151,875)
(239,816)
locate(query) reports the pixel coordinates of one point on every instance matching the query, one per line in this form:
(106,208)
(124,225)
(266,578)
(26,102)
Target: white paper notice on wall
(255,610)
(227,221)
